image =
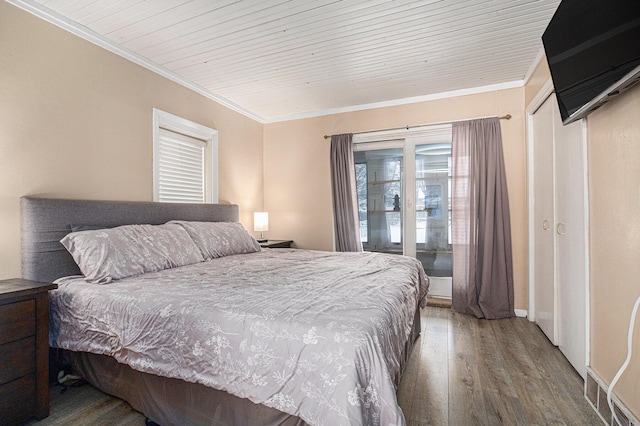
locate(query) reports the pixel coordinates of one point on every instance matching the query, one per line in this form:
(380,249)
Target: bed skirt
(169,401)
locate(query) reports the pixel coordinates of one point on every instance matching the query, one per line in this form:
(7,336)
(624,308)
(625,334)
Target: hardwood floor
(86,405)
(465,371)
(462,371)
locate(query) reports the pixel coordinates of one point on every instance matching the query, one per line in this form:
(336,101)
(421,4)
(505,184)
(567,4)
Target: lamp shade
(260,221)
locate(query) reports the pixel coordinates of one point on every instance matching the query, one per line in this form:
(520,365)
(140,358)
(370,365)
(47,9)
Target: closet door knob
(545,224)
(560,228)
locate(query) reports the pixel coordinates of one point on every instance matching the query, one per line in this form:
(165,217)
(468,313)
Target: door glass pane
(379,187)
(361,185)
(433,208)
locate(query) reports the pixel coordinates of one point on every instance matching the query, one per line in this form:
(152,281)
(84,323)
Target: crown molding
(534,65)
(397,102)
(99,40)
(103,42)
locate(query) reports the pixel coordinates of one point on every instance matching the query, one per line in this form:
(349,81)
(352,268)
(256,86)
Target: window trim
(168,121)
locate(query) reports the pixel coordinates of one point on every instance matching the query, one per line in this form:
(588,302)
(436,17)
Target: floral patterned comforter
(315,334)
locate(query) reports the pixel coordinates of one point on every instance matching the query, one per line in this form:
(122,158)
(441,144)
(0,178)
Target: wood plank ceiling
(280,59)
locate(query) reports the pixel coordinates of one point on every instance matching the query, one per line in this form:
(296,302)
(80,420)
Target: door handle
(560,226)
(545,224)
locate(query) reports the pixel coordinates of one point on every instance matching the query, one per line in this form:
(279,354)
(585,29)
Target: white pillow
(109,254)
(218,239)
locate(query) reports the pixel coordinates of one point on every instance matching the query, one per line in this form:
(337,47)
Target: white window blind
(181,168)
(185,160)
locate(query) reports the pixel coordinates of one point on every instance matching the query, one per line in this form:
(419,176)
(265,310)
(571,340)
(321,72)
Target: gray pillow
(218,239)
(109,254)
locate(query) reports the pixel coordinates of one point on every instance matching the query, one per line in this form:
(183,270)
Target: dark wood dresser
(24,350)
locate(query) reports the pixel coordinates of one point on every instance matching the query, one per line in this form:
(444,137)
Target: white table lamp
(261,224)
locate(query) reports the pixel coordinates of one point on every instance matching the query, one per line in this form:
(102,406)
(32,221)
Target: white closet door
(543,219)
(570,241)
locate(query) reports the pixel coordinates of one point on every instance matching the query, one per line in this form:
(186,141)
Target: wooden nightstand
(276,244)
(24,350)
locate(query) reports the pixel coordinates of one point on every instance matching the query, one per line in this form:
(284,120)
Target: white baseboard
(522,313)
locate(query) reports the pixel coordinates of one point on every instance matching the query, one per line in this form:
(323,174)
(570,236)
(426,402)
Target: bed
(275,336)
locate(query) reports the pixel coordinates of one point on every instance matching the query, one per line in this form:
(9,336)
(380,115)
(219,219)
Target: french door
(404,205)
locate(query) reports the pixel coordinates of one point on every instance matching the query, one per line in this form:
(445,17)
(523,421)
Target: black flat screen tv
(593,51)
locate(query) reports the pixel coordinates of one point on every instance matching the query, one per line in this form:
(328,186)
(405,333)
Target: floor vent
(595,391)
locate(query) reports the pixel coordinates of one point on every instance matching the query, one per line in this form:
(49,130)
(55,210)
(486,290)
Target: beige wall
(76,122)
(613,149)
(297,180)
(613,141)
(537,80)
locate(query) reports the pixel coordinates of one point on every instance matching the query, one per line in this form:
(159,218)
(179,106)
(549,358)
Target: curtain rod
(407,127)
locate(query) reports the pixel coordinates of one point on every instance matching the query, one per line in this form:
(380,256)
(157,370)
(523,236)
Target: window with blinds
(185,160)
(181,168)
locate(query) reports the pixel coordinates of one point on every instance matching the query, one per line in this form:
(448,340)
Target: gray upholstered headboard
(44,221)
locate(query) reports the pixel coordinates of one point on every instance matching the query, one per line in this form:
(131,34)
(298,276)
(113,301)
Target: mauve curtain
(343,188)
(481,231)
